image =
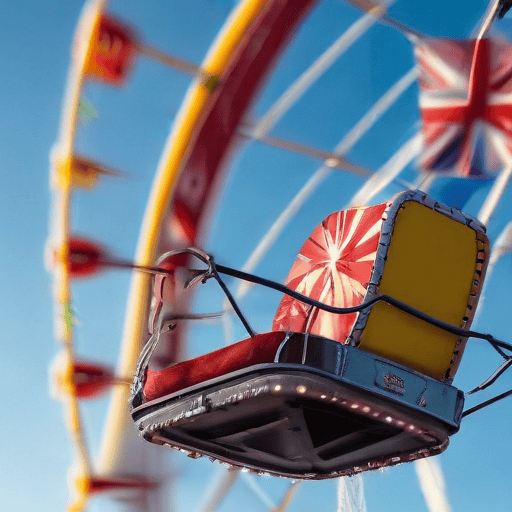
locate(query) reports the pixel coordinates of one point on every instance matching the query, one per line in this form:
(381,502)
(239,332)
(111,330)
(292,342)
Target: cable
(486,403)
(494,377)
(497,344)
(232,300)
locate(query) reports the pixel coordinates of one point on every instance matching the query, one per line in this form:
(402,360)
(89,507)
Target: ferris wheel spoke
(502,181)
(488,17)
(351,494)
(367,6)
(335,161)
(258,491)
(315,71)
(173,61)
(432,484)
(380,107)
(388,172)
(502,245)
(222,482)
(287,498)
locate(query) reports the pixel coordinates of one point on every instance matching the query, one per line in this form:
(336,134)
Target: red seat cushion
(261,348)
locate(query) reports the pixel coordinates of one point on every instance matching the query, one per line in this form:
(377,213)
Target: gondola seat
(324,395)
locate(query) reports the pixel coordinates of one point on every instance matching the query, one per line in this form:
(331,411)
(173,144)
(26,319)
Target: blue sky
(129,134)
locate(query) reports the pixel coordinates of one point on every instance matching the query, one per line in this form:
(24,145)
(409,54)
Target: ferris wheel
(256,157)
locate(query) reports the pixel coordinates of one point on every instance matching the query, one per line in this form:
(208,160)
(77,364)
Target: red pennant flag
(112,52)
(85,173)
(98,484)
(82,379)
(85,258)
(91,380)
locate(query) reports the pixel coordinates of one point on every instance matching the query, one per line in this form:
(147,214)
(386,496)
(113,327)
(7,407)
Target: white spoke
(335,161)
(380,107)
(501,145)
(253,485)
(388,172)
(432,484)
(425,180)
(488,18)
(220,486)
(502,245)
(315,71)
(275,230)
(495,195)
(351,494)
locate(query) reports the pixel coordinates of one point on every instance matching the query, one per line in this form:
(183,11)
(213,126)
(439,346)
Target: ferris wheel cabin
(323,394)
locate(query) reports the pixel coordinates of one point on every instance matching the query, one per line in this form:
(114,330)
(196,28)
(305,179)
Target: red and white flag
(466,105)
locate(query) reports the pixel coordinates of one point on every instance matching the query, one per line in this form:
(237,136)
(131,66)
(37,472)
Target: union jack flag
(333,267)
(466,105)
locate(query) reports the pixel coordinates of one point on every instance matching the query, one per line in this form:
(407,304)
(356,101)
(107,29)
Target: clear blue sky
(129,133)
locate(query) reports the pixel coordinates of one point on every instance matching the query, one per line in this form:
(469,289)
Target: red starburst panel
(333,267)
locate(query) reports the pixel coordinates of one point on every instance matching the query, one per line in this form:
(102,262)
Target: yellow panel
(430,266)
